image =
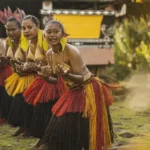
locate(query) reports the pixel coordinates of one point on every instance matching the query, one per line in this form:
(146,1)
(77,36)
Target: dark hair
(15,20)
(33,19)
(56,22)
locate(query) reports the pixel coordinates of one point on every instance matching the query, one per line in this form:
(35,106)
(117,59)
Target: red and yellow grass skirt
(5,72)
(92,101)
(41,91)
(16,84)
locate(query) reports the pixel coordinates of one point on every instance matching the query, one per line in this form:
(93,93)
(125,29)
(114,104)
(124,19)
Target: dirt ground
(132,129)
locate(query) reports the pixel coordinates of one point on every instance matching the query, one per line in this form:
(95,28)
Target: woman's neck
(57,48)
(34,41)
(16,41)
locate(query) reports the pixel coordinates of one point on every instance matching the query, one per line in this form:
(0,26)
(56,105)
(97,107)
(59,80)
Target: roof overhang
(77,12)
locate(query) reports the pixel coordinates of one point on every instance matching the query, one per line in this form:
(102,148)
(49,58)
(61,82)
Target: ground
(8,142)
(132,128)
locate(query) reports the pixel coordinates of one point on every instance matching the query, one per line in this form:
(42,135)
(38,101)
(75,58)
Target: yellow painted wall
(81,26)
(139,1)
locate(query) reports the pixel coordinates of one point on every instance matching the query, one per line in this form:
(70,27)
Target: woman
(80,116)
(19,81)
(41,94)
(37,117)
(1,79)
(13,30)
(1,54)
(2,51)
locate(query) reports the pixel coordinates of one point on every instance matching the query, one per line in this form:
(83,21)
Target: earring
(63,42)
(45,44)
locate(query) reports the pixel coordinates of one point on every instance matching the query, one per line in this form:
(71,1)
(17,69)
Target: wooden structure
(89,24)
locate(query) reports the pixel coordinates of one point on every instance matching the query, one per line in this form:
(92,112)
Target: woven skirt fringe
(16,115)
(66,129)
(16,84)
(5,72)
(42,95)
(6,102)
(69,132)
(41,91)
(40,119)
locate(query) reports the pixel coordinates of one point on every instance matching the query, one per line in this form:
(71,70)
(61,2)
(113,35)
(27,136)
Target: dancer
(19,81)
(40,94)
(13,30)
(1,79)
(80,117)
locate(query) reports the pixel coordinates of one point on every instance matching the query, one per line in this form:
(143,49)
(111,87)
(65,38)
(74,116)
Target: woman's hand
(13,63)
(30,66)
(19,67)
(46,71)
(61,70)
(4,60)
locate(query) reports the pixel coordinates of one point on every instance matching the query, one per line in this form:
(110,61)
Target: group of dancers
(46,89)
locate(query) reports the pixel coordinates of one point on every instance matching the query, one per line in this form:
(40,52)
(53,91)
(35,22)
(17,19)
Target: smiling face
(53,33)
(13,30)
(30,29)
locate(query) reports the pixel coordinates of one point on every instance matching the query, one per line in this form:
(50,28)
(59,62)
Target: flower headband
(19,14)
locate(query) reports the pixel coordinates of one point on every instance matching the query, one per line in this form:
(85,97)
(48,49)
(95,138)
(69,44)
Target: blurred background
(114,39)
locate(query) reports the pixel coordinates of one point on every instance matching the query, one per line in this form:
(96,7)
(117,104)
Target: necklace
(57,51)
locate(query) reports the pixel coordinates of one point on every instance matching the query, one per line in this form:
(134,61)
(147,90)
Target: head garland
(19,14)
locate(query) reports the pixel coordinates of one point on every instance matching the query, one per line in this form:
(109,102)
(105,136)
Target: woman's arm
(51,79)
(76,78)
(78,67)
(2,48)
(3,59)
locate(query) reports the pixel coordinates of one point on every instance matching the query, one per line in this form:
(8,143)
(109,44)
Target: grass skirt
(6,102)
(15,86)
(1,93)
(40,119)
(5,72)
(42,95)
(80,119)
(68,132)
(41,91)
(16,115)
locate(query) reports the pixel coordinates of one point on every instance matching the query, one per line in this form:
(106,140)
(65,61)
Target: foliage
(132,46)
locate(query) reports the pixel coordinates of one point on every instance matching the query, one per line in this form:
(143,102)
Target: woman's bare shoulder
(2,41)
(2,44)
(49,51)
(72,49)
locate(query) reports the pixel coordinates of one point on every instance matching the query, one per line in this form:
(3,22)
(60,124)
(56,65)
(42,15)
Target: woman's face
(29,29)
(53,33)
(12,30)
